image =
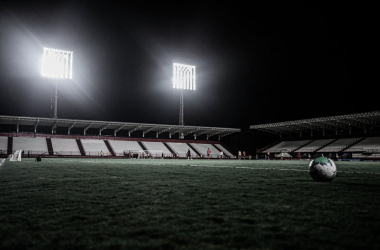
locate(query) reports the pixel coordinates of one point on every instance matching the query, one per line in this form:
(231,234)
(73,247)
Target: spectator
(188,154)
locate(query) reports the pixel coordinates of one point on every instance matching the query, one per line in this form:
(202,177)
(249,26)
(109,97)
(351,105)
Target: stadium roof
(344,122)
(116,126)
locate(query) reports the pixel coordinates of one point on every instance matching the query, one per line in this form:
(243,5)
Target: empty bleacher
(371,144)
(119,147)
(314,145)
(155,147)
(65,146)
(31,145)
(202,148)
(339,145)
(286,146)
(62,146)
(181,149)
(224,150)
(92,147)
(365,148)
(3,144)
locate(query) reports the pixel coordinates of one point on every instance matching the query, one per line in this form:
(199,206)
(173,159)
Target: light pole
(183,78)
(57,64)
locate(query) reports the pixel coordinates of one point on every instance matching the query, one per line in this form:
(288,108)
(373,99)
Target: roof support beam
(158,132)
(367,121)
(353,123)
(215,133)
(86,128)
(117,130)
(148,130)
(174,132)
(282,130)
(224,134)
(103,128)
(54,128)
(326,126)
(71,126)
(268,131)
(190,132)
(35,125)
(336,124)
(133,130)
(18,125)
(201,132)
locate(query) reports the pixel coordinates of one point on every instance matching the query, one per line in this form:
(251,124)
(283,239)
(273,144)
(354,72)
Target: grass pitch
(181,204)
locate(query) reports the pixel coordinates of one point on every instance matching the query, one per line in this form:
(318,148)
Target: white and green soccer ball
(322,169)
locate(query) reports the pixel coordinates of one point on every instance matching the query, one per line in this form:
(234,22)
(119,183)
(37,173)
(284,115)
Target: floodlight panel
(57,63)
(183,76)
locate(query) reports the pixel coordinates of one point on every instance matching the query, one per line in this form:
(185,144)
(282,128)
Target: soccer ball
(322,169)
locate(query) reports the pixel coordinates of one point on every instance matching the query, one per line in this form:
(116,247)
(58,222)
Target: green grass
(180,204)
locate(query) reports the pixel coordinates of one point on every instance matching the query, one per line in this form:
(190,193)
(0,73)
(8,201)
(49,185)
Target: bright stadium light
(57,64)
(183,78)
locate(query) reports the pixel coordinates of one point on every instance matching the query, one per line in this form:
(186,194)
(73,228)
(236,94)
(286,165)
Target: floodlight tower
(57,64)
(183,78)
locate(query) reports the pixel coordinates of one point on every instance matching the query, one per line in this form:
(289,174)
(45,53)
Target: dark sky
(256,63)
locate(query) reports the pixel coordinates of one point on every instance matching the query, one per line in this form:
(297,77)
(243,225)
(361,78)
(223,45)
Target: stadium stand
(122,147)
(65,146)
(82,131)
(30,145)
(286,146)
(109,147)
(314,146)
(94,147)
(371,144)
(34,144)
(181,149)
(223,149)
(339,145)
(337,148)
(369,147)
(157,147)
(202,148)
(3,145)
(352,136)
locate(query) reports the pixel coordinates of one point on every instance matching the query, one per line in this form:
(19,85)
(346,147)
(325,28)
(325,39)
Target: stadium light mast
(57,64)
(183,78)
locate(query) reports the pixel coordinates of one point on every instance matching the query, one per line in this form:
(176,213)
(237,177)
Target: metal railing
(67,153)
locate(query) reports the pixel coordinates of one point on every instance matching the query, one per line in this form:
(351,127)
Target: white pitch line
(253,168)
(347,172)
(281,169)
(214,166)
(300,170)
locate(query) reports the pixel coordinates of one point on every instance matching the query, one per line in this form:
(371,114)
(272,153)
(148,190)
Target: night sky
(255,63)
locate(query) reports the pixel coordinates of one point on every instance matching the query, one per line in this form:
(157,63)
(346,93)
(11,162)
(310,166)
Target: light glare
(57,63)
(183,76)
